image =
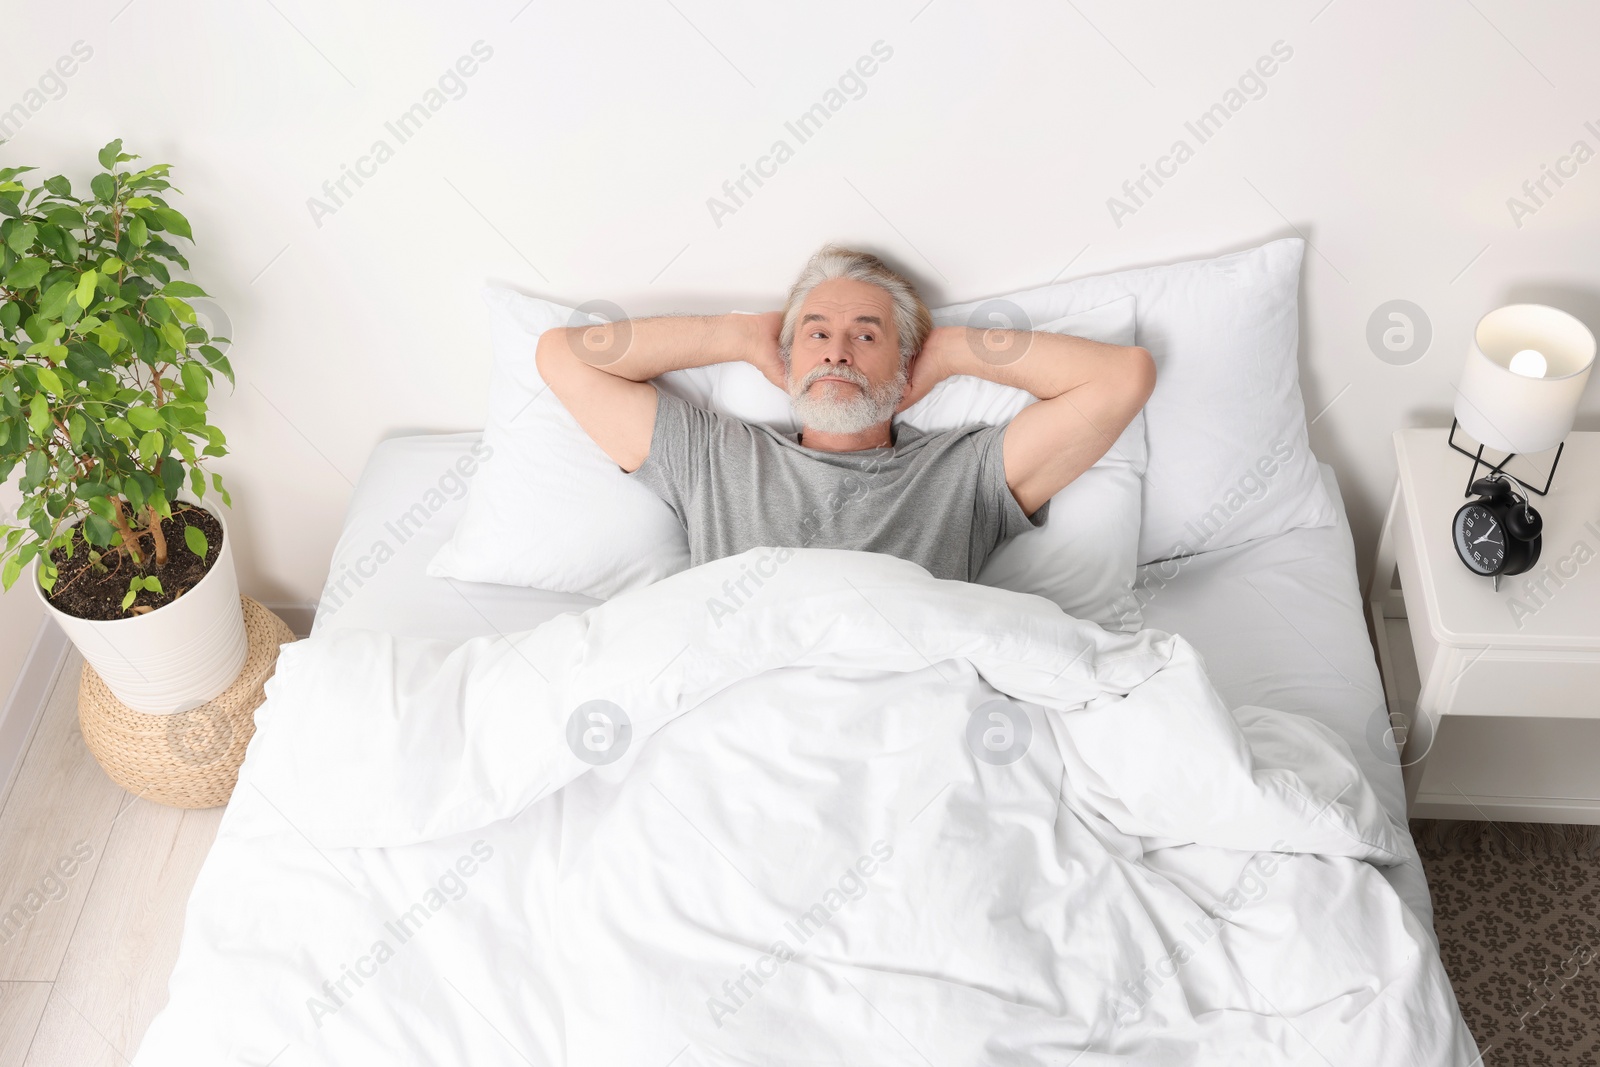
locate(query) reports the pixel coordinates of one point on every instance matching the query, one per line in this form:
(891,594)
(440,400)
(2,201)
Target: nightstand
(1494,696)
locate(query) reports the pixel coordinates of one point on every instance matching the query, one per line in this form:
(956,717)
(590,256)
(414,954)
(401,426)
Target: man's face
(844,366)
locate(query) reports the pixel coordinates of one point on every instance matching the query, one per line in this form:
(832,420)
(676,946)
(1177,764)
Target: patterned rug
(1517,910)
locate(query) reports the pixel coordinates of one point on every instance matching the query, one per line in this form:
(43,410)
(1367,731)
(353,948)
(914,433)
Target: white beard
(859,411)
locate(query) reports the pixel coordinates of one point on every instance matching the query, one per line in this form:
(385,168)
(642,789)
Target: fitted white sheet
(1279,620)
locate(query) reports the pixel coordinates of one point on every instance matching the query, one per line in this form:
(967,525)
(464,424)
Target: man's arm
(602,373)
(1088,393)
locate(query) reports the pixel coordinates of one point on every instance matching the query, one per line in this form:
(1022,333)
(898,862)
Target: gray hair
(911,319)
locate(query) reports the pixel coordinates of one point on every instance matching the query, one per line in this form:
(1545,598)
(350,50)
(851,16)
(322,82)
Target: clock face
(1480,539)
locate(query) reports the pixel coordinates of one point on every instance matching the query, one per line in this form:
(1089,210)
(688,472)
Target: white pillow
(549,510)
(1226,426)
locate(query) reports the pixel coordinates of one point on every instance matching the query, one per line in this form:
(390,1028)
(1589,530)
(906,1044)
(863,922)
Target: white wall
(20,614)
(579,161)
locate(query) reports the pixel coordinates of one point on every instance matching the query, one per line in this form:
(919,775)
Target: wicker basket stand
(190,759)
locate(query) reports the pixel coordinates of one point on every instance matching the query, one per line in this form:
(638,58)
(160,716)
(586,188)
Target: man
(853,345)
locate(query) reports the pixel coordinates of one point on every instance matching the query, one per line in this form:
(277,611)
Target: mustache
(848,373)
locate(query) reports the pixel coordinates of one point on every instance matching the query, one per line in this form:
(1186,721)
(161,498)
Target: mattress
(1278,620)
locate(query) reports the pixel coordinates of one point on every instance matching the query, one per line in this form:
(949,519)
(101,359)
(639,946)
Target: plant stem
(160,537)
(130,540)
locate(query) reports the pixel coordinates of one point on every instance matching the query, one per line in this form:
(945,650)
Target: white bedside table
(1494,695)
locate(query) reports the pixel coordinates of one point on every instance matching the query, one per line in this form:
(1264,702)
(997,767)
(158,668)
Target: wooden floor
(93,886)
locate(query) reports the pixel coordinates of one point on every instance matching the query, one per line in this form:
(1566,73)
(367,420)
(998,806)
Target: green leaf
(64,216)
(77,426)
(172,333)
(22,237)
(153,584)
(182,288)
(150,447)
(10,315)
(84,359)
(127,327)
(133,591)
(184,313)
(61,242)
(39,418)
(50,380)
(194,380)
(13,567)
(108,154)
(34,470)
(173,221)
(195,538)
(105,188)
(109,337)
(86,285)
(97,529)
(55,298)
(118,428)
(26,274)
(171,478)
(102,507)
(144,418)
(184,413)
(59,185)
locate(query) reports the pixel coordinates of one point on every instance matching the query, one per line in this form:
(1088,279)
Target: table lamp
(1525,372)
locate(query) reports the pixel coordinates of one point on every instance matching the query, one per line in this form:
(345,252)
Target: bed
(1294,634)
(1278,622)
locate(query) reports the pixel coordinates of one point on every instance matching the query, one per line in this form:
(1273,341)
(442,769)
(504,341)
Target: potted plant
(105,371)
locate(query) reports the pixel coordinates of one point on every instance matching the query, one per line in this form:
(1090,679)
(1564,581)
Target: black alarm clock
(1497,534)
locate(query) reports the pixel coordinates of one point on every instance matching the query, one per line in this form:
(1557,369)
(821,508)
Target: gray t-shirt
(938,499)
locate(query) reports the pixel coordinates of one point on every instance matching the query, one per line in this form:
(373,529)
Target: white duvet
(795,807)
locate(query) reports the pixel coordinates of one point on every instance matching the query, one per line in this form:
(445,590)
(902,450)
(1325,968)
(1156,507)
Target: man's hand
(763,353)
(930,365)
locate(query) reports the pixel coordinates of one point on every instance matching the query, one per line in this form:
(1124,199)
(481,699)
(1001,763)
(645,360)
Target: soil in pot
(83,593)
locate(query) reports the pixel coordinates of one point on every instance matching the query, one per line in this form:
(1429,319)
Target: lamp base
(1499,468)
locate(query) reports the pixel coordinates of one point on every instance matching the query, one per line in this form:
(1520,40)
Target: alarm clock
(1498,533)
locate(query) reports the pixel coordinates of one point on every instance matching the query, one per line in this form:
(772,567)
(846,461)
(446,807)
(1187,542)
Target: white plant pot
(173,658)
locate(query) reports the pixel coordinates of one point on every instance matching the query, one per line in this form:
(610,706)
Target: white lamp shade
(1512,412)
